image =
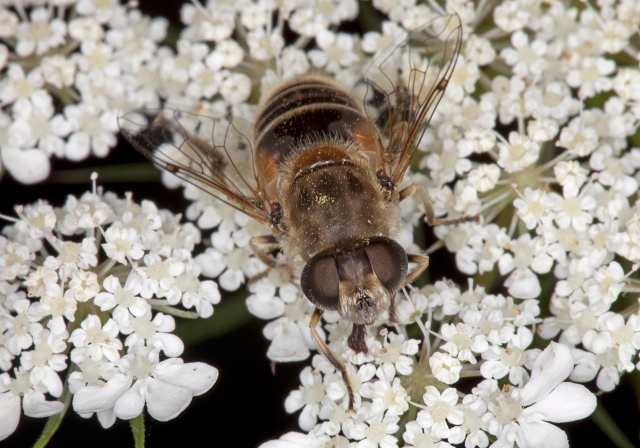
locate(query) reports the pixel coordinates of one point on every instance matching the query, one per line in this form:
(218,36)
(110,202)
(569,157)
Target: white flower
(166,387)
(123,299)
(154,333)
(336,51)
(520,153)
(308,397)
(438,410)
(396,351)
(235,88)
(462,342)
(415,435)
(96,341)
(545,398)
(377,432)
(40,34)
(45,360)
(34,403)
(499,361)
(122,243)
(526,59)
(93,131)
(592,76)
(387,395)
(445,367)
(264,46)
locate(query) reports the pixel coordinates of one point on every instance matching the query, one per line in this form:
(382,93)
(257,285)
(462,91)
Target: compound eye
(388,260)
(320,282)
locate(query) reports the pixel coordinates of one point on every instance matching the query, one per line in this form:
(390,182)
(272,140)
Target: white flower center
(96,336)
(551,99)
(439,411)
(449,158)
(57,306)
(622,335)
(462,341)
(187,282)
(158,271)
(21,324)
(21,384)
(392,352)
(536,208)
(508,410)
(571,207)
(237,258)
(124,297)
(42,354)
(512,357)
(39,30)
(313,394)
(423,441)
(334,53)
(122,245)
(143,327)
(471,422)
(22,88)
(522,256)
(40,127)
(90,370)
(376,432)
(70,252)
(13,259)
(589,75)
(526,55)
(609,358)
(587,321)
(140,367)
(90,124)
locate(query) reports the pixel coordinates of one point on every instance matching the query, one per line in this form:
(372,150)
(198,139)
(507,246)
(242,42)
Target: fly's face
(358,281)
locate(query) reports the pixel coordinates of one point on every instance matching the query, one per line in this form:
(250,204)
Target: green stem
(138,431)
(604,421)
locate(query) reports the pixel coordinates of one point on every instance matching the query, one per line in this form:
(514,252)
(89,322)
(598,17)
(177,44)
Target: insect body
(322,167)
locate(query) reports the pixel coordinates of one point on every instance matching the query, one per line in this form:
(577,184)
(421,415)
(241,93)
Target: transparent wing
(403,86)
(212,152)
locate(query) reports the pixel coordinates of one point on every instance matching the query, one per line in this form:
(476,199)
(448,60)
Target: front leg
(335,362)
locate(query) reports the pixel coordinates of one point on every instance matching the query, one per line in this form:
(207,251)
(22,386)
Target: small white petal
(524,284)
(131,403)
(166,401)
(9,414)
(197,377)
(551,367)
(96,398)
(567,402)
(35,405)
(289,440)
(26,165)
(544,435)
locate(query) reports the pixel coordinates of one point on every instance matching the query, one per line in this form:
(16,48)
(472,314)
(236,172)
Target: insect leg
(430,216)
(335,362)
(262,246)
(392,310)
(422,261)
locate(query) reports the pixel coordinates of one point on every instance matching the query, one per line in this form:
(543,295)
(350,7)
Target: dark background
(246,405)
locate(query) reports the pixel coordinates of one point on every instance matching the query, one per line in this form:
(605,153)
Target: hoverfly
(322,166)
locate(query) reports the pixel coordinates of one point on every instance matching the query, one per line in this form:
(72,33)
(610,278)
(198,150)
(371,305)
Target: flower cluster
(535,133)
(80,290)
(68,69)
